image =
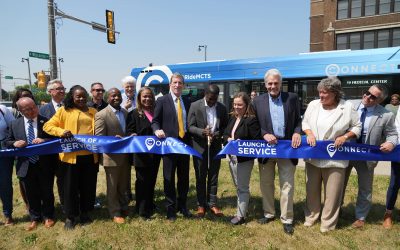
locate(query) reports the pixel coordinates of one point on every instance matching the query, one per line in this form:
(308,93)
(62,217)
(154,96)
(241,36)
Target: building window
(341,41)
(384,6)
(397,6)
(355,41)
(370,7)
(383,38)
(396,37)
(358,8)
(343,9)
(368,39)
(355,8)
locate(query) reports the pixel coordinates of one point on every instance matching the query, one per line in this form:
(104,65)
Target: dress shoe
(119,220)
(171,214)
(201,212)
(216,211)
(358,224)
(265,220)
(69,224)
(237,220)
(185,212)
(32,226)
(124,213)
(387,221)
(9,221)
(49,223)
(288,228)
(85,219)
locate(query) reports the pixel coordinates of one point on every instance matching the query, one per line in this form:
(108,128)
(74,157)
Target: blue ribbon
(105,144)
(322,150)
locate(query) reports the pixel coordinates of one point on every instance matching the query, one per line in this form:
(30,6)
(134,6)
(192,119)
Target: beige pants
(333,181)
(117,184)
(286,171)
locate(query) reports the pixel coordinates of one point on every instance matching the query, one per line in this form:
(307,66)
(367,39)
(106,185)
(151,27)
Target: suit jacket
(17,132)
(247,129)
(344,119)
(291,110)
(140,125)
(165,117)
(197,122)
(47,110)
(106,123)
(381,128)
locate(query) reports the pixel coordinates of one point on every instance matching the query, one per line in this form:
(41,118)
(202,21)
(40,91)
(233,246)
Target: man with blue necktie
(377,129)
(35,172)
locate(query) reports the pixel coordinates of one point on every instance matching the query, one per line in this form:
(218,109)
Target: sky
(158,31)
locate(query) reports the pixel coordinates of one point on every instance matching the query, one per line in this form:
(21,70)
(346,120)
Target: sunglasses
(98,90)
(60,89)
(371,96)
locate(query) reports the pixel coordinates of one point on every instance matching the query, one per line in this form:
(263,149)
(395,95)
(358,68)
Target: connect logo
(330,148)
(332,70)
(153,75)
(149,142)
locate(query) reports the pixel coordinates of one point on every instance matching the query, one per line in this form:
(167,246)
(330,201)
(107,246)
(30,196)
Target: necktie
(180,118)
(362,119)
(31,136)
(59,105)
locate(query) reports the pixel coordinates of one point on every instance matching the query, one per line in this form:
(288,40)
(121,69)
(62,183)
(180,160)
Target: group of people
(206,125)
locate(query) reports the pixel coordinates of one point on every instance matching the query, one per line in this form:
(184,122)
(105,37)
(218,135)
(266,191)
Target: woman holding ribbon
(74,118)
(333,119)
(146,165)
(242,125)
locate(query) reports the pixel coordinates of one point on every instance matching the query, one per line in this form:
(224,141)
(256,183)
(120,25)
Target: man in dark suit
(279,117)
(56,90)
(170,121)
(207,121)
(35,172)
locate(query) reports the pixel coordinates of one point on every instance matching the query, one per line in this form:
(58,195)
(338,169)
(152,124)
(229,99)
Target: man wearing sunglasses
(97,91)
(377,129)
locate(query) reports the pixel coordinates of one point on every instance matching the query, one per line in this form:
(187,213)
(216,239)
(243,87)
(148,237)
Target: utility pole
(52,40)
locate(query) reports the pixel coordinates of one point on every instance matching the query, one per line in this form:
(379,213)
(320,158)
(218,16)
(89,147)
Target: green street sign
(9,77)
(39,55)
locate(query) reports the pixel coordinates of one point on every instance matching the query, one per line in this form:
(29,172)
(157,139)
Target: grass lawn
(210,232)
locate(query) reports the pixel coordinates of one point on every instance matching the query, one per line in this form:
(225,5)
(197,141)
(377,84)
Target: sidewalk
(383,167)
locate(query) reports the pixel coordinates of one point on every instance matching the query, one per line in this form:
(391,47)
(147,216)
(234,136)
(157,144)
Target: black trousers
(180,164)
(60,172)
(207,178)
(79,186)
(146,177)
(38,184)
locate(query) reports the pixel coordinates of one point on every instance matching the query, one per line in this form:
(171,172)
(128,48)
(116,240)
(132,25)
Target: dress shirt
(277,116)
(34,124)
(125,99)
(370,111)
(120,117)
(56,105)
(175,99)
(5,120)
(211,116)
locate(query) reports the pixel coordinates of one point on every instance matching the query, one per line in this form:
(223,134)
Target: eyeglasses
(60,89)
(98,90)
(373,97)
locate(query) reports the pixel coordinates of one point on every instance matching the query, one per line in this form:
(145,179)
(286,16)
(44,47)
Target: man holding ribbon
(170,121)
(279,116)
(207,121)
(377,129)
(36,172)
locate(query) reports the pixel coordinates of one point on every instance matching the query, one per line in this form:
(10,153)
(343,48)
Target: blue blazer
(47,110)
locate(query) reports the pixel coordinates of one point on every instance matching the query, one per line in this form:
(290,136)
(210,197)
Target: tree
(40,95)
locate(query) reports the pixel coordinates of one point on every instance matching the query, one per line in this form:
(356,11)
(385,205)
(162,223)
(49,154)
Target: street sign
(39,55)
(8,77)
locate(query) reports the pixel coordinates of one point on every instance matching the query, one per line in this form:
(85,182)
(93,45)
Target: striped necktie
(180,119)
(31,136)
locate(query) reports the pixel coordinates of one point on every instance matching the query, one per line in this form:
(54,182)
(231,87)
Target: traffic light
(42,80)
(110,26)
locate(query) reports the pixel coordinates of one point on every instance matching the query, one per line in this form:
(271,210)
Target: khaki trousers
(333,181)
(117,184)
(286,171)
